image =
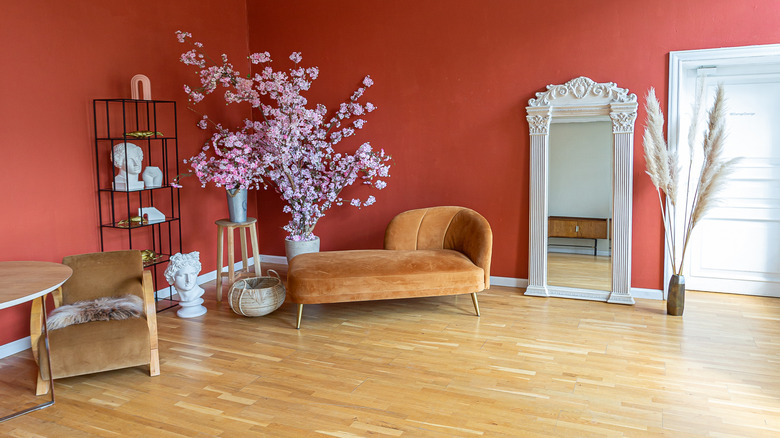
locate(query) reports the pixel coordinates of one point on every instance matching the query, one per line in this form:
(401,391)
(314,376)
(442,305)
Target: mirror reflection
(580,204)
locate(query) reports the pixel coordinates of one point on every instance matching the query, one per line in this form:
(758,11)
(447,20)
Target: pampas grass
(664,170)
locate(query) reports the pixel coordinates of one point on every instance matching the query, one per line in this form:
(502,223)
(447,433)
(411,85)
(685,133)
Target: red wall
(57,57)
(452,80)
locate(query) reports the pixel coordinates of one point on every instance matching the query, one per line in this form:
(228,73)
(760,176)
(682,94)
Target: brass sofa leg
(300,314)
(476,303)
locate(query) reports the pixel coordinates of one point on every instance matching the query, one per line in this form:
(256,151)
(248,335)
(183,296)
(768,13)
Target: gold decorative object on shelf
(135,221)
(149,256)
(143,134)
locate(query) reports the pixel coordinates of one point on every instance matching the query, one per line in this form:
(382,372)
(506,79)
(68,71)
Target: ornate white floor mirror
(582,99)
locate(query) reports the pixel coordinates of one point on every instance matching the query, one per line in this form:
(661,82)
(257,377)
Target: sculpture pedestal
(121,185)
(191,309)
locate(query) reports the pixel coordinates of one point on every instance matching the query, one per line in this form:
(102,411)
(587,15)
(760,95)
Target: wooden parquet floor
(579,270)
(529,367)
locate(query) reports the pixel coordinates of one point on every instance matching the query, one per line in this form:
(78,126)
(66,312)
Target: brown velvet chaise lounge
(428,252)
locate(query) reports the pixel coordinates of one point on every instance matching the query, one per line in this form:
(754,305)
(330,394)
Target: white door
(736,247)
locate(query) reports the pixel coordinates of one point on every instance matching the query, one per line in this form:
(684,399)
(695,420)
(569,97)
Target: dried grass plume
(664,170)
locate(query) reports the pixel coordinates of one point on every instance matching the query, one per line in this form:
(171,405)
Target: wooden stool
(231,274)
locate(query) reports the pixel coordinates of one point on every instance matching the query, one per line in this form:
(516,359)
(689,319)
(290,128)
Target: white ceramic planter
(293,248)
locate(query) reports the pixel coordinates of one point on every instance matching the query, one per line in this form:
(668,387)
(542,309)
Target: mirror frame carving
(582,99)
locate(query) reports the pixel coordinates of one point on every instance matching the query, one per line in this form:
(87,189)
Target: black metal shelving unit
(115,120)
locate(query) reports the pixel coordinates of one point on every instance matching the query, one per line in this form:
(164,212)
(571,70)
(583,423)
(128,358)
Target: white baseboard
(14,347)
(649,294)
(508,282)
(277,260)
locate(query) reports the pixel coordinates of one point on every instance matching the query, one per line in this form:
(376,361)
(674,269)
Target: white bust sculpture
(182,273)
(128,158)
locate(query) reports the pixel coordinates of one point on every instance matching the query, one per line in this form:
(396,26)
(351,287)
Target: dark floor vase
(675,302)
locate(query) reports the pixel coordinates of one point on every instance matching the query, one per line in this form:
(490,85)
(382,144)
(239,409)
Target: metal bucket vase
(293,247)
(675,302)
(236,200)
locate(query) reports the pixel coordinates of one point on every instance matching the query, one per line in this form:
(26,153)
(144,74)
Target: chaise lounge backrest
(456,228)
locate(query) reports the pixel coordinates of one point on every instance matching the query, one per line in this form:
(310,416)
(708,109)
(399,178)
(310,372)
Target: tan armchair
(99,345)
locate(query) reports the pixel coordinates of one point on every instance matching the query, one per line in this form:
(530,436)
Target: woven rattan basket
(257,296)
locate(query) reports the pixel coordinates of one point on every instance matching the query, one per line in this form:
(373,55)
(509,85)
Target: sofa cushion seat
(360,275)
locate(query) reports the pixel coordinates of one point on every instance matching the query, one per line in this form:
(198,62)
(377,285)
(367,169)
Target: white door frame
(682,61)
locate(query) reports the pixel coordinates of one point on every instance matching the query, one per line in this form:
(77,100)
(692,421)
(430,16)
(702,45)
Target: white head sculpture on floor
(182,272)
(128,158)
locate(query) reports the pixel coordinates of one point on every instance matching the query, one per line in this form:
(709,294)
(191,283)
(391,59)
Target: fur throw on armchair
(100,309)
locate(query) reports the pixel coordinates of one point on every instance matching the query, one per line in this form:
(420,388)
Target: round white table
(21,282)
